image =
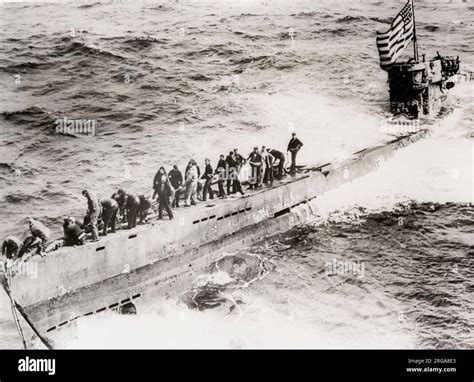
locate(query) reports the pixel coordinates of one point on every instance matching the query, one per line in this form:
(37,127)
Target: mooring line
(14,312)
(16,307)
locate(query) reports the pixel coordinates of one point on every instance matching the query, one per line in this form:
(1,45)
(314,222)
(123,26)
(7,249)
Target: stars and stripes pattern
(392,43)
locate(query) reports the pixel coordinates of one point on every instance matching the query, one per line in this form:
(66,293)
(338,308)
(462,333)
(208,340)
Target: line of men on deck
(169,188)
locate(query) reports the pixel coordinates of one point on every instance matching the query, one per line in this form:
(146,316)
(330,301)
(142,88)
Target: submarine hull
(154,261)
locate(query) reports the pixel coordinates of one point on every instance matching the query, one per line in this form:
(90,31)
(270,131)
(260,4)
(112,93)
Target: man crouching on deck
(11,247)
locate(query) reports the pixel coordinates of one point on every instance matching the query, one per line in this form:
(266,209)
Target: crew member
(207,176)
(165,193)
(198,183)
(144,207)
(191,163)
(192,177)
(11,247)
(130,203)
(39,239)
(176,180)
(268,161)
(278,155)
(293,147)
(231,166)
(29,244)
(93,211)
(73,233)
(221,175)
(121,212)
(157,180)
(255,161)
(109,214)
(239,160)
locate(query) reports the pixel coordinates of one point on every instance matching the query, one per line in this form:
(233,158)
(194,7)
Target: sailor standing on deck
(293,147)
(192,163)
(156,181)
(176,179)
(231,166)
(165,193)
(267,168)
(93,211)
(221,175)
(255,161)
(239,160)
(191,183)
(208,176)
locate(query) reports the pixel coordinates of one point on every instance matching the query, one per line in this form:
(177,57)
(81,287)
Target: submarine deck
(195,212)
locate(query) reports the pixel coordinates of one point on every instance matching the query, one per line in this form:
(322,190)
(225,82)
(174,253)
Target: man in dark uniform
(239,159)
(165,192)
(157,180)
(278,155)
(221,173)
(109,214)
(293,147)
(230,170)
(255,161)
(208,175)
(268,161)
(176,179)
(130,202)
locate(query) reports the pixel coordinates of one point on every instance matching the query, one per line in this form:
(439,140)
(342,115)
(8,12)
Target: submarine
(136,268)
(131,270)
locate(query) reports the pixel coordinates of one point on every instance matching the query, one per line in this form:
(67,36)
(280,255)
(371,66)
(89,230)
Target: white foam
(258,325)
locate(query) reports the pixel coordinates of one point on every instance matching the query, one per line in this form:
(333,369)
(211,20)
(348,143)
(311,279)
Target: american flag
(392,43)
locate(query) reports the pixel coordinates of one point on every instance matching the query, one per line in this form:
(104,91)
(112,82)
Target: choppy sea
(165,81)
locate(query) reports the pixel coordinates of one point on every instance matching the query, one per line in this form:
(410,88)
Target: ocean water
(167,81)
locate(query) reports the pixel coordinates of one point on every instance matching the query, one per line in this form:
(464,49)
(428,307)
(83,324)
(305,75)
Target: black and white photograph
(237,174)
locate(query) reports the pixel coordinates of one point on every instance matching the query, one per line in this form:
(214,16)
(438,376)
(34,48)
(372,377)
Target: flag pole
(415,45)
